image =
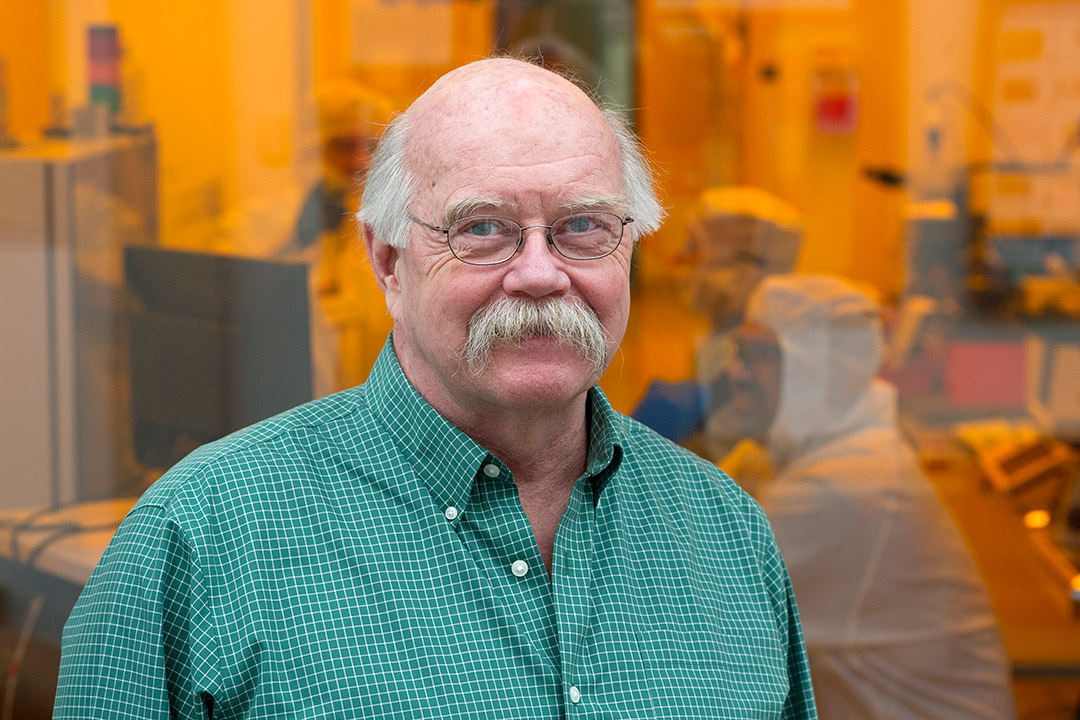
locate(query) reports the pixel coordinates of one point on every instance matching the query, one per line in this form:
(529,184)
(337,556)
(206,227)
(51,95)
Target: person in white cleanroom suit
(897,621)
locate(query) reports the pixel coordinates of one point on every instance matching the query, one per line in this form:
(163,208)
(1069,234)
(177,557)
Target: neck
(540,433)
(538,447)
(546,449)
(531,418)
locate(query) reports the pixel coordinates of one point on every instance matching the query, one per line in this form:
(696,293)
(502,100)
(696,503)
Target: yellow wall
(24,39)
(229,87)
(172,69)
(706,110)
(683,74)
(175,71)
(812,170)
(876,246)
(713,114)
(399,48)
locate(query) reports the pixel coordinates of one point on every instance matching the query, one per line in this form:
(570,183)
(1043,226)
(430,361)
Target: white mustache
(512,320)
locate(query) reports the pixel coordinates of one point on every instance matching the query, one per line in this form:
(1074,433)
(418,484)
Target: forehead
(754,334)
(511,134)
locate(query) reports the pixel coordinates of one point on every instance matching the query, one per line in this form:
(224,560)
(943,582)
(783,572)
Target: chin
(539,383)
(736,424)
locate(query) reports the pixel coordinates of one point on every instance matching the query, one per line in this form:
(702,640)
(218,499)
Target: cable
(27,523)
(57,529)
(62,532)
(136,480)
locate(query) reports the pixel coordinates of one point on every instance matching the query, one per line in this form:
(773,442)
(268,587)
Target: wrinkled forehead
(754,333)
(499,110)
(757,344)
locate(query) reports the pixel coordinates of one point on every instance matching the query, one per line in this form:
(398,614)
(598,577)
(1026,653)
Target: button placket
(571,582)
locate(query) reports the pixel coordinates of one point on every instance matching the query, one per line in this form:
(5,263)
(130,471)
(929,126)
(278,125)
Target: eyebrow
(467,207)
(601,203)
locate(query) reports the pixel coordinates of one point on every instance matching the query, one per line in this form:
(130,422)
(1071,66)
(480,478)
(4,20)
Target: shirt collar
(606,440)
(445,459)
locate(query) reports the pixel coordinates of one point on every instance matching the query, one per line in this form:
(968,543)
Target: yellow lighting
(1037,519)
(1074,584)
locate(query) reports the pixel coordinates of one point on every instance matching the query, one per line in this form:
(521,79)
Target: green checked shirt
(360,557)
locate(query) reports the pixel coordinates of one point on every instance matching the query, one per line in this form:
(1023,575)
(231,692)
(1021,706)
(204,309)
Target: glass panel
(179,256)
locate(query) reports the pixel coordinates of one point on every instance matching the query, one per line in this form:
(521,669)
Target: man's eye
(580,224)
(483,228)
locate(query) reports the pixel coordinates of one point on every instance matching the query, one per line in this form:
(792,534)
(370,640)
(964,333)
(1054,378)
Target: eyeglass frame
(521,236)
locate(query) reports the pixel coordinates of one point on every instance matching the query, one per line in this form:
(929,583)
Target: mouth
(545,341)
(540,335)
(744,398)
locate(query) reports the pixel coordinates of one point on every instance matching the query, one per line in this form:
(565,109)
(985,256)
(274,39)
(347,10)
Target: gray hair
(511,320)
(390,185)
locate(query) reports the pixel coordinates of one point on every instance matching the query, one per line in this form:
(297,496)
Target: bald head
(500,108)
(507,73)
(511,90)
(497,109)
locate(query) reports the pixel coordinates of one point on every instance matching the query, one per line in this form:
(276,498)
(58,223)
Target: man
(737,235)
(898,624)
(348,316)
(474,532)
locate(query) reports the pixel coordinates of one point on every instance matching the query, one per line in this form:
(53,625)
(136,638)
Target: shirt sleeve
(800,703)
(130,645)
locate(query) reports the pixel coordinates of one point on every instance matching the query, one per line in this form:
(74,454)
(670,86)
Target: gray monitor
(215,343)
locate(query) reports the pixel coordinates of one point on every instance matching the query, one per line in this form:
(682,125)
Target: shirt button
(520,568)
(575,694)
(451,513)
(491,470)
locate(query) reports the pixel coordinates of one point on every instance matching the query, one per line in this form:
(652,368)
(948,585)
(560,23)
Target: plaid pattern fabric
(359,556)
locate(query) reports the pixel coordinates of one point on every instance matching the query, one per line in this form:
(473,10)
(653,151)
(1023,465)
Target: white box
(66,210)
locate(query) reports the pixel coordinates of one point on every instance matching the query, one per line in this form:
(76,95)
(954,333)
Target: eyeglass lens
(580,236)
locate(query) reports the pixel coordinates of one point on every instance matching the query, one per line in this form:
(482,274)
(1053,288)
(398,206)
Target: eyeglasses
(753,353)
(483,240)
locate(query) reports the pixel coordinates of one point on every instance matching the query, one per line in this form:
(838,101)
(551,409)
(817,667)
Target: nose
(537,270)
(739,369)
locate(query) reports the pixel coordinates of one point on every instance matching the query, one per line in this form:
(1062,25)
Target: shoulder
(870,459)
(289,446)
(648,449)
(686,483)
(685,497)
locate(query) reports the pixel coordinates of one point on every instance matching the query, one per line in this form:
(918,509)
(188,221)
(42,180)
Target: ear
(384,262)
